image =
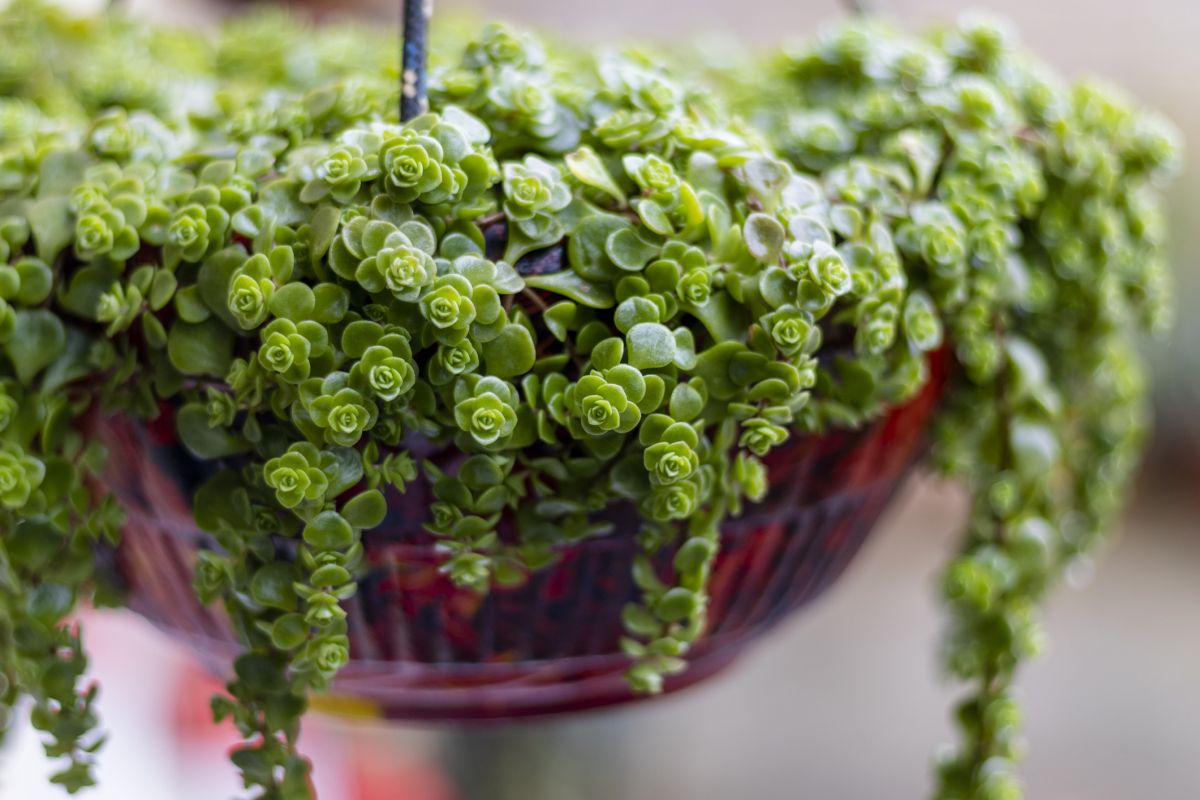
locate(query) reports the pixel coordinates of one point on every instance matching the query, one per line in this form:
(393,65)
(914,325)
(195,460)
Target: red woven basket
(422,648)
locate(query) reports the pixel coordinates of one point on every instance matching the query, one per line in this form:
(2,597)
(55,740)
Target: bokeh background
(845,701)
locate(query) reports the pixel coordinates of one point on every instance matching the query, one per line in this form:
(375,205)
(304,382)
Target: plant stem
(414,58)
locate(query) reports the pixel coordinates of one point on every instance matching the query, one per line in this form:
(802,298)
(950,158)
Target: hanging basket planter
(422,648)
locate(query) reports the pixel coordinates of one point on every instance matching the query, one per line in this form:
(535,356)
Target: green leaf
(585,248)
(37,280)
(656,390)
(685,349)
(87,285)
(569,284)
(714,365)
(654,217)
(253,161)
(589,170)
(283,261)
(294,301)
(281,200)
(359,335)
(639,621)
(38,338)
(608,353)
(162,289)
(329,531)
(204,348)
(222,501)
(33,543)
(329,575)
(686,403)
(809,230)
(630,249)
(203,440)
(560,318)
(676,604)
(629,379)
(289,631)
(511,353)
(723,317)
(343,467)
(61,171)
(49,602)
(50,223)
(189,305)
(272,586)
(332,303)
(481,472)
(521,242)
(366,510)
(323,228)
(10,279)
(508,572)
(153,331)
(1035,447)
(634,310)
(764,237)
(651,345)
(694,554)
(214,278)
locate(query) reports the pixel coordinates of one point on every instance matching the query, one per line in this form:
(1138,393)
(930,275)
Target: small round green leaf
(764,237)
(272,586)
(629,249)
(366,510)
(289,632)
(651,345)
(330,531)
(294,301)
(686,403)
(510,353)
(204,348)
(37,339)
(204,440)
(676,604)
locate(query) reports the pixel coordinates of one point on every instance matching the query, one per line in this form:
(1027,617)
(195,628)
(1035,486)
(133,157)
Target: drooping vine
(1043,235)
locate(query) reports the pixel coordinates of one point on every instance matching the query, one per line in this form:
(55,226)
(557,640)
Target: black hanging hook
(414,59)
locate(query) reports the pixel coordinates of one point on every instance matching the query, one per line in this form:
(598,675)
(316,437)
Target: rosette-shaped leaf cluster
(485,408)
(436,160)
(385,258)
(534,192)
(296,476)
(20,476)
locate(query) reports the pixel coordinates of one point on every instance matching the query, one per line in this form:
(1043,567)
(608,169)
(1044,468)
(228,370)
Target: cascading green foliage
(1033,206)
(253,239)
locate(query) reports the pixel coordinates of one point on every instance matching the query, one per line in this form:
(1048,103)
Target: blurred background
(842,702)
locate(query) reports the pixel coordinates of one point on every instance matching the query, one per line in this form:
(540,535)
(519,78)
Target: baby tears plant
(583,277)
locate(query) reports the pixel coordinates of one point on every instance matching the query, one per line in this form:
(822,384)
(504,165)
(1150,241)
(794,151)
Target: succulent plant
(1026,200)
(308,286)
